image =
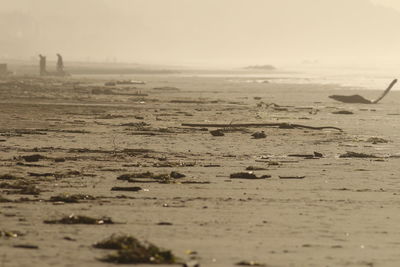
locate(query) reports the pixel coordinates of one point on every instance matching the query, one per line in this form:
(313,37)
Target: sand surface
(344,212)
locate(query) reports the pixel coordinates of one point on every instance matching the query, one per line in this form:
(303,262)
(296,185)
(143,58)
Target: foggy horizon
(207,32)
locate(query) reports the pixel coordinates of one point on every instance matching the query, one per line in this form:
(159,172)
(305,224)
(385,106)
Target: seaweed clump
(21,187)
(149,177)
(78,219)
(350,154)
(131,250)
(67,198)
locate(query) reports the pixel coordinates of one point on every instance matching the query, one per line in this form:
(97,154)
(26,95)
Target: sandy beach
(319,207)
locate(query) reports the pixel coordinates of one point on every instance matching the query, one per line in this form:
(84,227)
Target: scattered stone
(259,135)
(176,175)
(77,219)
(217,133)
(318,155)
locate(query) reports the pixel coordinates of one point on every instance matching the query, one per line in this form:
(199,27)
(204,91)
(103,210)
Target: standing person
(42,65)
(60,64)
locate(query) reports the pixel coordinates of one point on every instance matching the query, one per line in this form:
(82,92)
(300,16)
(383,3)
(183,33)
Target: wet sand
(344,212)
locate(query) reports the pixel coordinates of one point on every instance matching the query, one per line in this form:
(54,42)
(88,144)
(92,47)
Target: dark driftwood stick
(280,125)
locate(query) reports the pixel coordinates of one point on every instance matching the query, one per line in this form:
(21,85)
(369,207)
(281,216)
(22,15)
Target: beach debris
(8,177)
(374,140)
(4,200)
(21,187)
(10,234)
(247,175)
(253,168)
(68,198)
(78,219)
(33,158)
(259,135)
(191,263)
(361,100)
(282,125)
(131,251)
(129,188)
(315,155)
(250,263)
(35,174)
(176,175)
(318,155)
(164,223)
(27,246)
(350,154)
(217,132)
(151,177)
(343,112)
(292,177)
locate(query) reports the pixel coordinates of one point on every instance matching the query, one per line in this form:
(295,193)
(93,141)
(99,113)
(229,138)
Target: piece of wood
(282,125)
(357,99)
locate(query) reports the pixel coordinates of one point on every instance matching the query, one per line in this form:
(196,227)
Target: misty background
(213,32)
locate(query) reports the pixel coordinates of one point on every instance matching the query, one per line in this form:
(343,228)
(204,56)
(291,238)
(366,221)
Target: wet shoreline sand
(344,211)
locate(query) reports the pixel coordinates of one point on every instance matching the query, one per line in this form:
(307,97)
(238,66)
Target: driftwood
(282,125)
(361,100)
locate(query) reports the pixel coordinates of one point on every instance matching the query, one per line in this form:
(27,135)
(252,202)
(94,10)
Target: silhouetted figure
(60,65)
(42,65)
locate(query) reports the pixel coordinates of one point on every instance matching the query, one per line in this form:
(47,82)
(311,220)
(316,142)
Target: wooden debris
(282,125)
(361,100)
(292,177)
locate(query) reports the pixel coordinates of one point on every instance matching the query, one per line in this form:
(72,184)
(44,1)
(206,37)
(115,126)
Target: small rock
(217,133)
(259,135)
(176,175)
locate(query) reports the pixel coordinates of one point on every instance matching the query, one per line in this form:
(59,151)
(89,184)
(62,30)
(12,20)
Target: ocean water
(351,78)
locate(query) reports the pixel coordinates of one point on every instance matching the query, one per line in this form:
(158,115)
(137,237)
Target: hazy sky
(203,31)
